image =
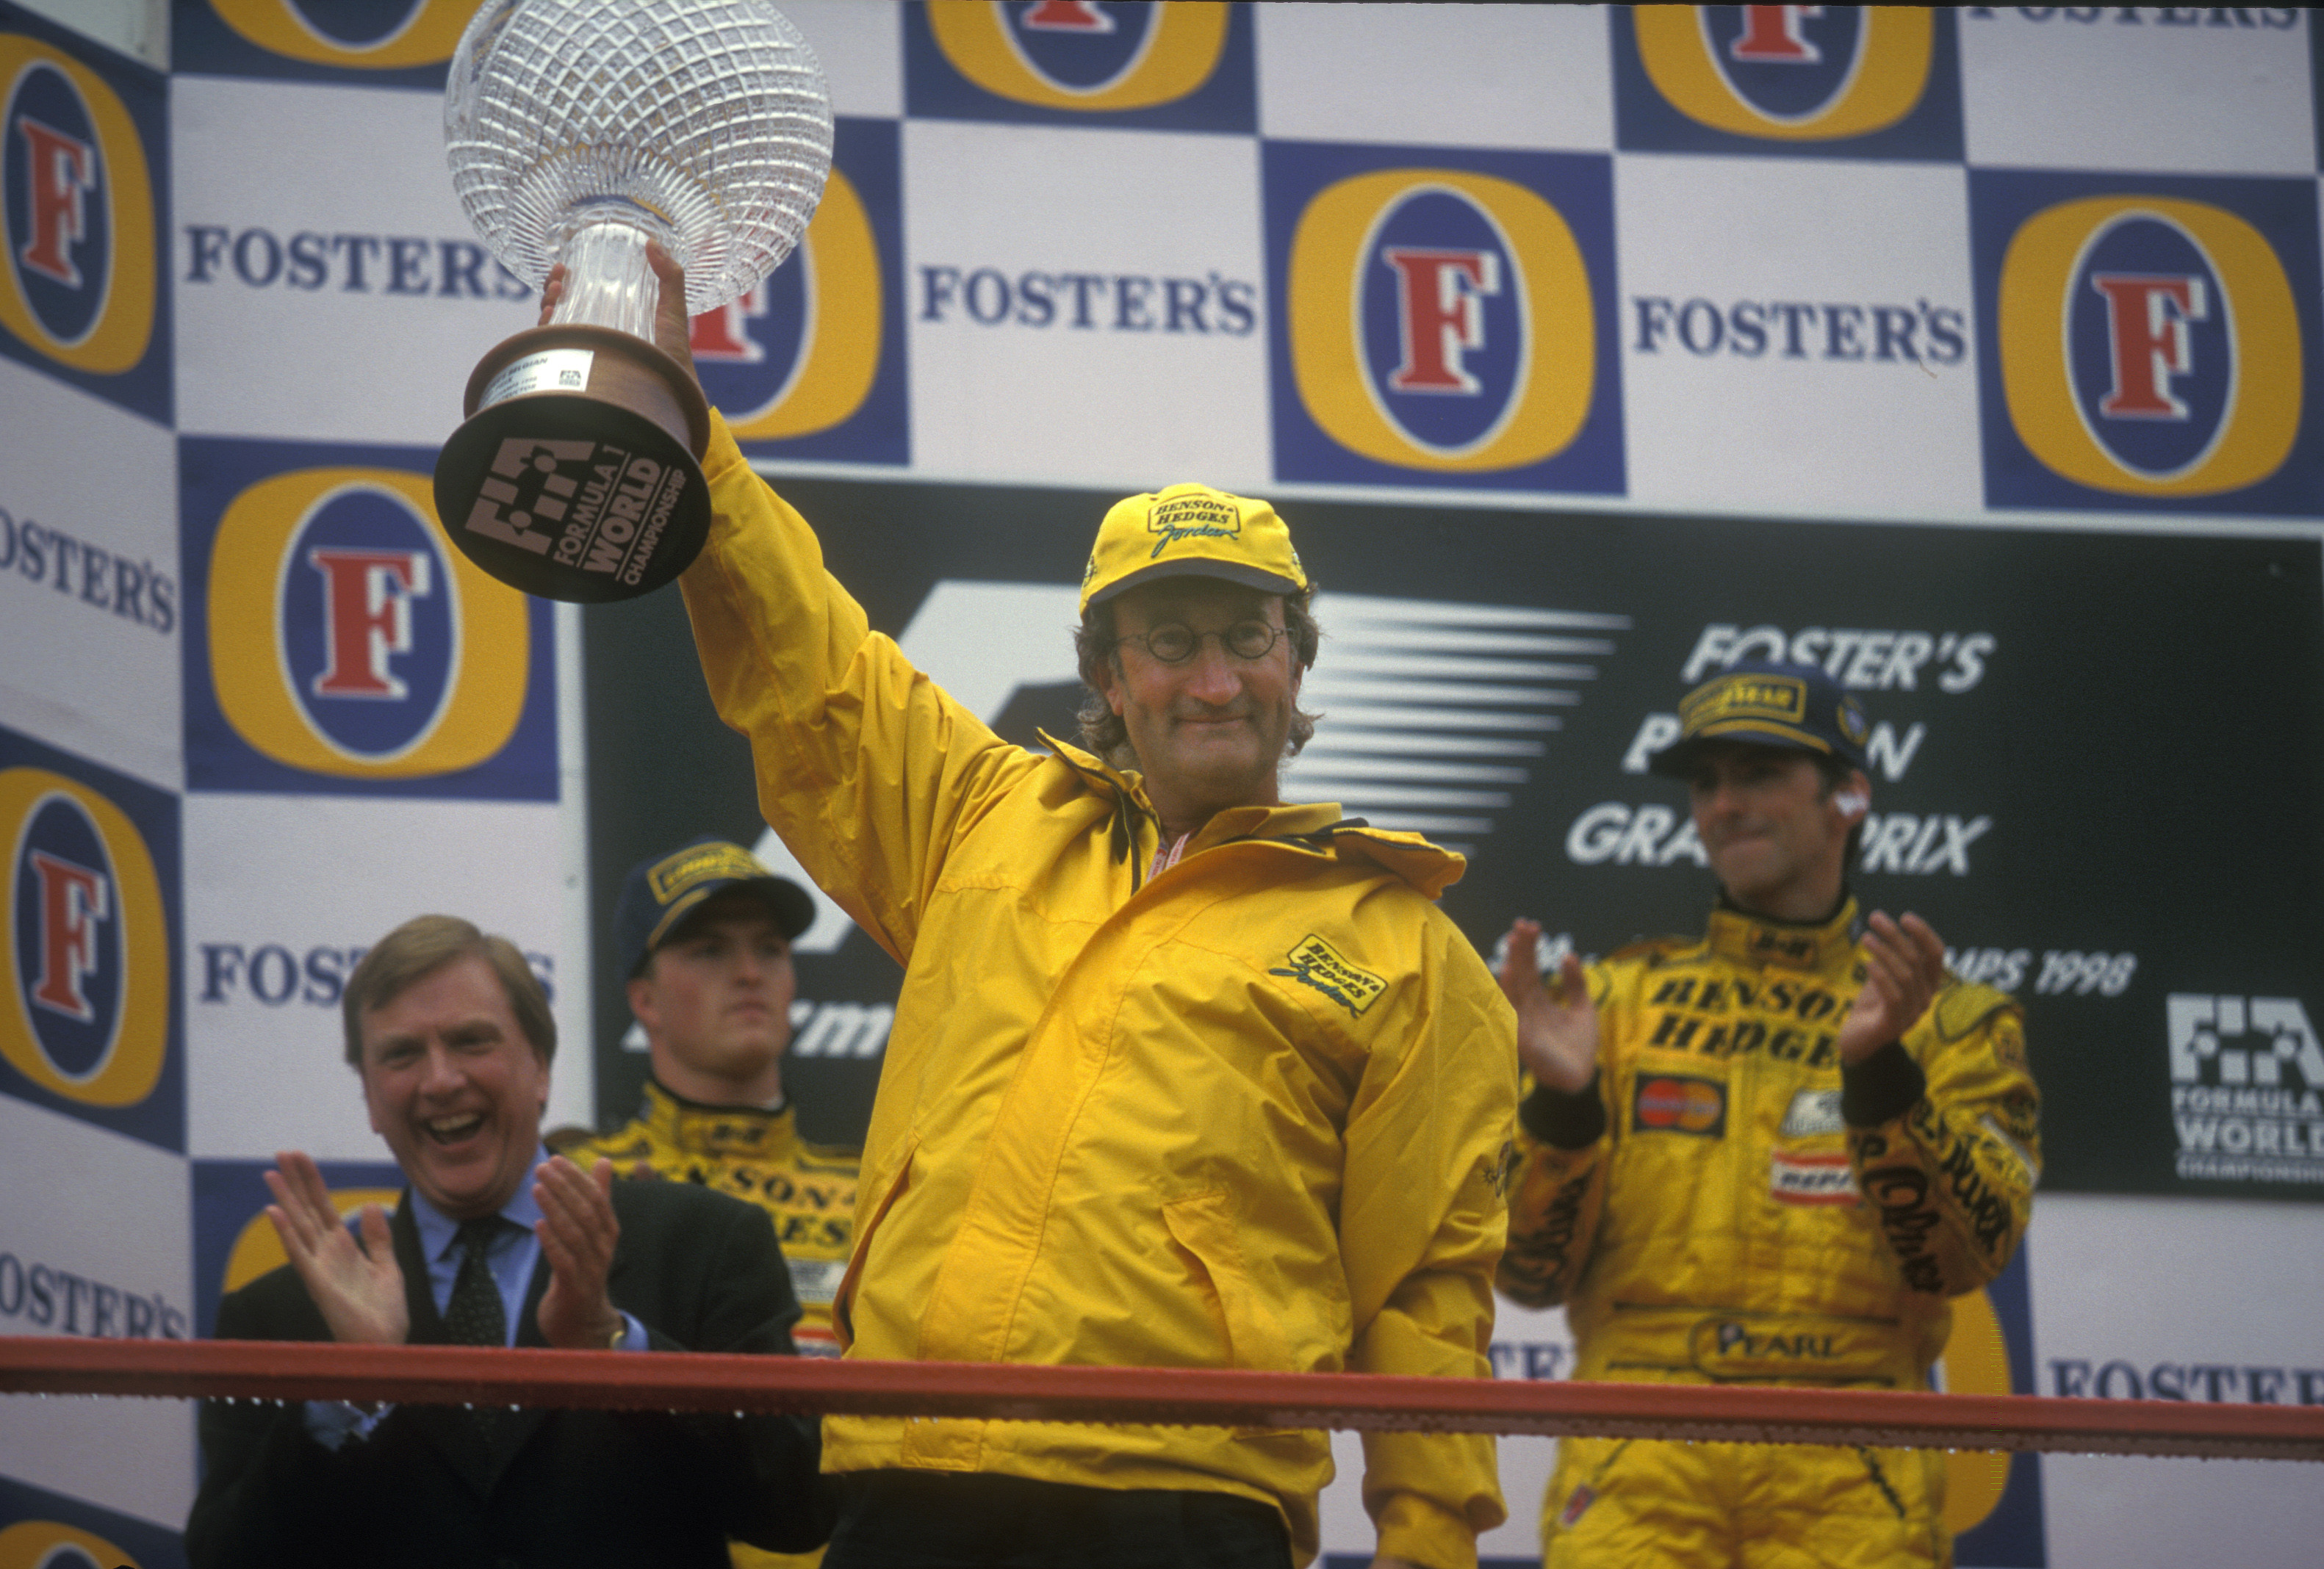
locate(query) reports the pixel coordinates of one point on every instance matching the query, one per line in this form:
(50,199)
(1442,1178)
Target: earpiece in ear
(1850,803)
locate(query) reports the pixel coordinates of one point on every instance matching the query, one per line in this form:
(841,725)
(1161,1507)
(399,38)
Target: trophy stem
(607,280)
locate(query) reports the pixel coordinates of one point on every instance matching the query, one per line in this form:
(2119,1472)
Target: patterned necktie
(475,1315)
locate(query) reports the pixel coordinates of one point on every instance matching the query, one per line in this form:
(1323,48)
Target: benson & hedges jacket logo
(339,645)
(2147,344)
(1179,64)
(1442,317)
(1827,81)
(810,364)
(81,296)
(89,1025)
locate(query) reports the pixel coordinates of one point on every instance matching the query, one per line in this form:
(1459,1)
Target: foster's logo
(1177,63)
(53,1545)
(346,639)
(402,45)
(2152,345)
(87,1025)
(1444,320)
(811,357)
(78,289)
(1708,76)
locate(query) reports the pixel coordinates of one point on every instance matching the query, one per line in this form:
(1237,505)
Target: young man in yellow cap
(1181,1075)
(1769,1155)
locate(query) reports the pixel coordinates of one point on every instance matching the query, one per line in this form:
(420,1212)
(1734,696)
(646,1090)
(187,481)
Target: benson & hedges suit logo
(79,290)
(340,645)
(1442,317)
(2147,344)
(1177,65)
(1829,81)
(810,364)
(89,1026)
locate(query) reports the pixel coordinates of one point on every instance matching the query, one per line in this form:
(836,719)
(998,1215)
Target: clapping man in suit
(495,1242)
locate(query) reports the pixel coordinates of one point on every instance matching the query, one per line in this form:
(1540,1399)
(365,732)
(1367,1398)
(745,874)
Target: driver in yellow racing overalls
(1769,1154)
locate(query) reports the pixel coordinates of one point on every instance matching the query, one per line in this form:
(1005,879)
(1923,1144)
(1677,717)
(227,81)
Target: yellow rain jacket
(1251,1113)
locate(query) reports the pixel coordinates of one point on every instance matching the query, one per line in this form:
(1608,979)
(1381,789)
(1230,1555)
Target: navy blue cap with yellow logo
(1191,530)
(1798,707)
(661,890)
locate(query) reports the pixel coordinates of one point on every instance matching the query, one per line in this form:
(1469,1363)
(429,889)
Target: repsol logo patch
(1810,1179)
(1671,1104)
(1316,963)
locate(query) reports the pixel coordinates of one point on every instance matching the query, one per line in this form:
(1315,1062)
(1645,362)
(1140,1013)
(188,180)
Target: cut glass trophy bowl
(578,131)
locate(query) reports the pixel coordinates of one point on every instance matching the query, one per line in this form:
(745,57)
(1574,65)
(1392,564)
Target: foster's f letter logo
(78,284)
(86,1024)
(343,641)
(2152,344)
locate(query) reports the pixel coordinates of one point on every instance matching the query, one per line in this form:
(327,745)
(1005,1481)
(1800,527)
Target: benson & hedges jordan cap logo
(339,645)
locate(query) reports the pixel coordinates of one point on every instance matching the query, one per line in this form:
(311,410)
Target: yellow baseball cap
(1191,530)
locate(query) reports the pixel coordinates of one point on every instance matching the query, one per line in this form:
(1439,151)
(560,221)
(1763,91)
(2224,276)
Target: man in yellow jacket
(1766,1155)
(1181,1075)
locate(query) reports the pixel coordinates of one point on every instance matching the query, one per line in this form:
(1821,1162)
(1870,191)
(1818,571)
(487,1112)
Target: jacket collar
(1822,947)
(1320,826)
(676,1122)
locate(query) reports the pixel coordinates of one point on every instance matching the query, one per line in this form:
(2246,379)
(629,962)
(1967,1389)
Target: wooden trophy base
(575,475)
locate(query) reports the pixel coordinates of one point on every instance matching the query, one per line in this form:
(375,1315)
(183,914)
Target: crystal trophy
(578,131)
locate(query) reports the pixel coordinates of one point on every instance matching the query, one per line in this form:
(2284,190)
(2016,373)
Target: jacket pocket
(1204,1224)
(843,1301)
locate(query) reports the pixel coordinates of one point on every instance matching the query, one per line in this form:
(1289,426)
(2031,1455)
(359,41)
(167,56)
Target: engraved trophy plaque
(578,131)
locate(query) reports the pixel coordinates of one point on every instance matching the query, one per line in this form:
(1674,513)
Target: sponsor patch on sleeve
(1810,1179)
(1667,1102)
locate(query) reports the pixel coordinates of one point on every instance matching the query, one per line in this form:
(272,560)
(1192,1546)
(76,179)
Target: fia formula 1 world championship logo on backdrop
(2147,342)
(1824,81)
(810,362)
(338,644)
(1443,317)
(80,295)
(89,1026)
(2246,1088)
(1179,65)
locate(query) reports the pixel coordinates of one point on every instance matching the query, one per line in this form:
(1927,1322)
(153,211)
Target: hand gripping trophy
(578,131)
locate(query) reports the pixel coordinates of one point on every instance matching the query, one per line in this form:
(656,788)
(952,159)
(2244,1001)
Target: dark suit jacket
(568,1488)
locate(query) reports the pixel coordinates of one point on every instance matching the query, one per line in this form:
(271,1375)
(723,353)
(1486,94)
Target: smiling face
(1209,733)
(1775,832)
(715,1002)
(455,1088)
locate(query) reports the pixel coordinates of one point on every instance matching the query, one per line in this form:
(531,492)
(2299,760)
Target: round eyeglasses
(1174,642)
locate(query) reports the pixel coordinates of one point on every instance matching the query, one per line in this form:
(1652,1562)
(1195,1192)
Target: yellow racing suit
(809,1189)
(1725,1203)
(1251,1111)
